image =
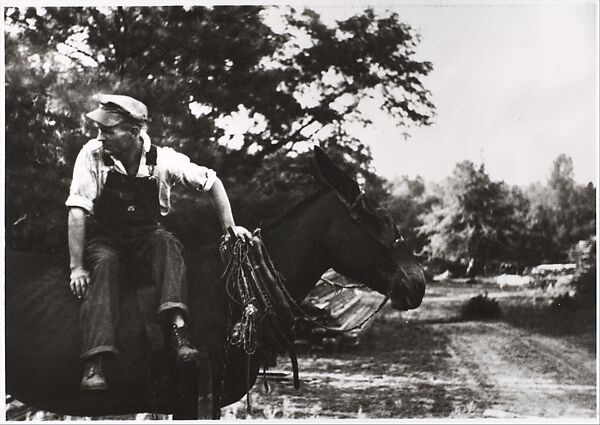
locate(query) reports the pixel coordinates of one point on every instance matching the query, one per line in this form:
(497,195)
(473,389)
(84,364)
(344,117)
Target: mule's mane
(299,206)
(375,213)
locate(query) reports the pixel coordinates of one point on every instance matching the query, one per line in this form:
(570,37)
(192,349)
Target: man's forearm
(76,236)
(222,205)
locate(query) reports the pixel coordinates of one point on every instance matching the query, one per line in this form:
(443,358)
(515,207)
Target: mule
(337,227)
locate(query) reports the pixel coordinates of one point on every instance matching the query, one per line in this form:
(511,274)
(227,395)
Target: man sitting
(124,182)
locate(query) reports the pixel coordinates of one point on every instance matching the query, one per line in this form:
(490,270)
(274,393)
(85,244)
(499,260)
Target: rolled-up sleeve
(181,169)
(83,190)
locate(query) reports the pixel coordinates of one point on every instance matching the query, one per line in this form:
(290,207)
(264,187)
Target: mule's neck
(296,244)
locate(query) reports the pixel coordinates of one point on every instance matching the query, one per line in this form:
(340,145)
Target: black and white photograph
(316,211)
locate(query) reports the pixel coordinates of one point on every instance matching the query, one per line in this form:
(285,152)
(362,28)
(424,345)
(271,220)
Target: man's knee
(103,257)
(165,242)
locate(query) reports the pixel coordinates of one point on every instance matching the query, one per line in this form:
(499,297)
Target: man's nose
(100,136)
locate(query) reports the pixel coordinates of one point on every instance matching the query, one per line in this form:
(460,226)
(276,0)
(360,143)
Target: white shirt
(90,172)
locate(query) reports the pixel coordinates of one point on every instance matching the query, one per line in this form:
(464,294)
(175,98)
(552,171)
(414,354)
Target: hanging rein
(255,289)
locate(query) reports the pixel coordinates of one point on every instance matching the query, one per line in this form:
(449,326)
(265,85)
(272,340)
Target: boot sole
(94,387)
(190,357)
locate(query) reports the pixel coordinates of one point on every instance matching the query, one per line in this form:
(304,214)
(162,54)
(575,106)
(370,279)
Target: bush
(584,254)
(585,288)
(565,301)
(481,307)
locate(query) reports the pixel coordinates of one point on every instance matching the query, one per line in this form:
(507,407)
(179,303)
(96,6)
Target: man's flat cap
(115,108)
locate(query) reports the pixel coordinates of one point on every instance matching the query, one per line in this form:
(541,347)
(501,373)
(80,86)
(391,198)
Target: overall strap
(106,158)
(151,156)
(151,159)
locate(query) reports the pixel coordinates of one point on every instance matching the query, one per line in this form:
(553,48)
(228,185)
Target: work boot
(93,374)
(180,341)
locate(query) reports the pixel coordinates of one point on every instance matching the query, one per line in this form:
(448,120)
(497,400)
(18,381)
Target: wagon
(338,304)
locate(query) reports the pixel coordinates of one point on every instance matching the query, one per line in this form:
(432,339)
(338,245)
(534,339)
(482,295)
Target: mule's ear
(335,177)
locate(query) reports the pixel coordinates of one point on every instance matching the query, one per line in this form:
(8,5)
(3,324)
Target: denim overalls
(127,215)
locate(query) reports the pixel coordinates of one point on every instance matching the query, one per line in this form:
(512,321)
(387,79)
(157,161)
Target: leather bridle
(356,210)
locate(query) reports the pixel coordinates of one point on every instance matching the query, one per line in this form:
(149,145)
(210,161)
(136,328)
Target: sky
(514,84)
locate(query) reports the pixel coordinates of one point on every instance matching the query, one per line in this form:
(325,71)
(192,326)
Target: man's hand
(239,232)
(80,280)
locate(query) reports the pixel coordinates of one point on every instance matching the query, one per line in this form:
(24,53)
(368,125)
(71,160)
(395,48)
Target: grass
(549,320)
(555,321)
(556,315)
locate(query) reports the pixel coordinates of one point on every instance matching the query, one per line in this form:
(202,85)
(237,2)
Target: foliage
(474,218)
(39,141)
(409,201)
(481,307)
(469,216)
(561,213)
(540,225)
(291,84)
(584,255)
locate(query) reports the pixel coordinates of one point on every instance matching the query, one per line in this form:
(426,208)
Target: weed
(360,414)
(469,410)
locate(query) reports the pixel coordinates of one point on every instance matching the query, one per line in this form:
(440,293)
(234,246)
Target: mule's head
(364,243)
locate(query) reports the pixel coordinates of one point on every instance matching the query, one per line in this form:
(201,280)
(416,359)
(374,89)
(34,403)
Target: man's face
(117,140)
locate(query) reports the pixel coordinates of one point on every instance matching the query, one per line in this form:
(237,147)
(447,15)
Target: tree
(584,214)
(408,203)
(561,213)
(232,60)
(573,205)
(474,219)
(39,143)
(517,249)
(562,180)
(562,191)
(196,68)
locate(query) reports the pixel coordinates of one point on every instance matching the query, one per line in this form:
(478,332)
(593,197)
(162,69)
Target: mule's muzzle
(409,288)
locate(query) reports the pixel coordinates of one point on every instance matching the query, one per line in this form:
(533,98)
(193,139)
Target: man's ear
(135,130)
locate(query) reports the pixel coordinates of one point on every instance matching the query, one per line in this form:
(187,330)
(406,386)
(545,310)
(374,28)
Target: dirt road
(514,373)
(427,363)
